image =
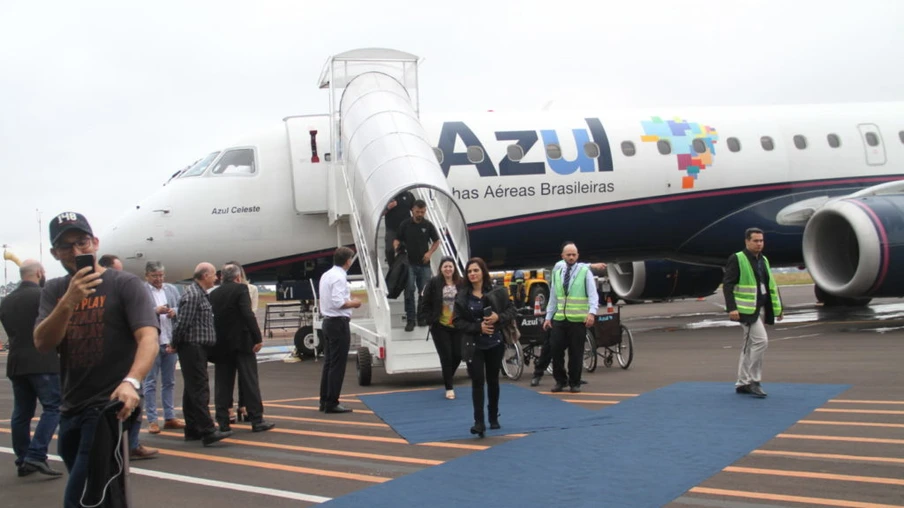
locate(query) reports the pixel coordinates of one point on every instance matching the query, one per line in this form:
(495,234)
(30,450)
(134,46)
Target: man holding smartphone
(102,323)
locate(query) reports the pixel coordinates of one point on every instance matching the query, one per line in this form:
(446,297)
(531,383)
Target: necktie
(567,277)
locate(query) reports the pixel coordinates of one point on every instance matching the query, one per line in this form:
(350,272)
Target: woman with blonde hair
(437,303)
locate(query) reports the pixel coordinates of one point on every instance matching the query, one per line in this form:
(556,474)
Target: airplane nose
(122,239)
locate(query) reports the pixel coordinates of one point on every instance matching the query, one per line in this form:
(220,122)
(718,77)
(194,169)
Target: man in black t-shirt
(421,241)
(104,327)
(397,211)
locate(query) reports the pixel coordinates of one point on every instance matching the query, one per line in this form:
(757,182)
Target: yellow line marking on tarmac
(861,411)
(374,439)
(853,424)
(593,394)
(312,408)
(827,456)
(277,467)
(792,499)
(815,476)
(356,394)
(851,401)
(591,401)
(324,451)
(325,421)
(842,438)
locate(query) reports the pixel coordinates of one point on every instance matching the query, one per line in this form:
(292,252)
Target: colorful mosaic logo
(681,134)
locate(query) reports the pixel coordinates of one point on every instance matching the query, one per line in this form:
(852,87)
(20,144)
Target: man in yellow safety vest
(572,307)
(752,298)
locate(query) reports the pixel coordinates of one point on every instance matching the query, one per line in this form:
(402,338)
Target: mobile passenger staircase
(380,149)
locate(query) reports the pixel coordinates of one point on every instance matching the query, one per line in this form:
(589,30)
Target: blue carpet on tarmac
(427,416)
(642,452)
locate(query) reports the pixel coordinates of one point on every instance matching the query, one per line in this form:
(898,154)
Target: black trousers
(484,368)
(337,340)
(245,363)
(545,356)
(448,346)
(570,336)
(196,390)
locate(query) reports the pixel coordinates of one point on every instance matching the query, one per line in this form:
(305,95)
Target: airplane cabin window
(699,146)
(235,162)
(800,142)
(554,151)
(901,136)
(439,154)
(872,139)
(834,140)
(199,166)
(475,154)
(514,152)
(592,150)
(734,145)
(767,143)
(664,146)
(627,148)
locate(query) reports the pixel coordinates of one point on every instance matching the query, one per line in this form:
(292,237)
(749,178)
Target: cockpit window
(235,162)
(199,166)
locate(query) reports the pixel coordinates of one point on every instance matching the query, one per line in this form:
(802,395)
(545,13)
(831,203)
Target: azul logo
(594,134)
(692,143)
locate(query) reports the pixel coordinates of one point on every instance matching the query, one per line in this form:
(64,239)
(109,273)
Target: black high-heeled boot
(479,428)
(494,425)
(494,419)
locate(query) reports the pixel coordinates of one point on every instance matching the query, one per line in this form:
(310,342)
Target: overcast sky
(101,101)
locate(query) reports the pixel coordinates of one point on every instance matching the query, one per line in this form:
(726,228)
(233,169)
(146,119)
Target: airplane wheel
(306,341)
(364,364)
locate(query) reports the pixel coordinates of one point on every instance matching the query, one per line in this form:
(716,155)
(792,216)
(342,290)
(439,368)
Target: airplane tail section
(381,149)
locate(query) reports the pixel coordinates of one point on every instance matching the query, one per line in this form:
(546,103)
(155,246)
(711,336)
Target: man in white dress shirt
(336,305)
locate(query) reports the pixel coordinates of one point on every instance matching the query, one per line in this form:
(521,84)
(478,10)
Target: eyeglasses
(81,243)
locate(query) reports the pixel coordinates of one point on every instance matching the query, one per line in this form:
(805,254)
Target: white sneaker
(450,394)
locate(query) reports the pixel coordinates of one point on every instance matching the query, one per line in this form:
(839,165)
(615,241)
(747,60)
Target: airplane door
(872,144)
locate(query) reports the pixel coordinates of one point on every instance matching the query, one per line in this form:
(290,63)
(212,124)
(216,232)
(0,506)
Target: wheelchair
(527,351)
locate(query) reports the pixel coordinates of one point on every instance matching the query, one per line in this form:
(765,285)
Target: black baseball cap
(67,221)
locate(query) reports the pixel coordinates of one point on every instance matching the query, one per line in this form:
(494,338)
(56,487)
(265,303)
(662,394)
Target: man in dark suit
(35,376)
(238,339)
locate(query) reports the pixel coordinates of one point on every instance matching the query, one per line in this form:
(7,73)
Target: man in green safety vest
(572,307)
(752,298)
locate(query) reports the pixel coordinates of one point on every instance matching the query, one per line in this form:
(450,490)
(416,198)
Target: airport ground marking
(253,489)
(842,438)
(592,394)
(275,467)
(853,424)
(341,453)
(815,476)
(591,401)
(860,411)
(828,456)
(792,499)
(853,401)
(313,408)
(374,439)
(327,422)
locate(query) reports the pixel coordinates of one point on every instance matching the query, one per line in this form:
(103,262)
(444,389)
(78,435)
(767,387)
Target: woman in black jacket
(480,313)
(436,310)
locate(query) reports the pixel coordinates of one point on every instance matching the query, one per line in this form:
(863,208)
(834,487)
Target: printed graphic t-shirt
(99,346)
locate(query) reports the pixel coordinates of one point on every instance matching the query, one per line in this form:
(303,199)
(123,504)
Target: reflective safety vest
(575,306)
(745,290)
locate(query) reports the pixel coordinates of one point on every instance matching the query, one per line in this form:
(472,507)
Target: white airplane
(682,184)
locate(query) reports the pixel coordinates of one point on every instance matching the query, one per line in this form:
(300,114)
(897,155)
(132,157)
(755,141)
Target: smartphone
(84,260)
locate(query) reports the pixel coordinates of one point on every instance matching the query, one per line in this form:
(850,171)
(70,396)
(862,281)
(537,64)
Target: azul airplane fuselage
(681,184)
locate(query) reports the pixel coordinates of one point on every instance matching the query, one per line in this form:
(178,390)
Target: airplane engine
(851,247)
(658,280)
